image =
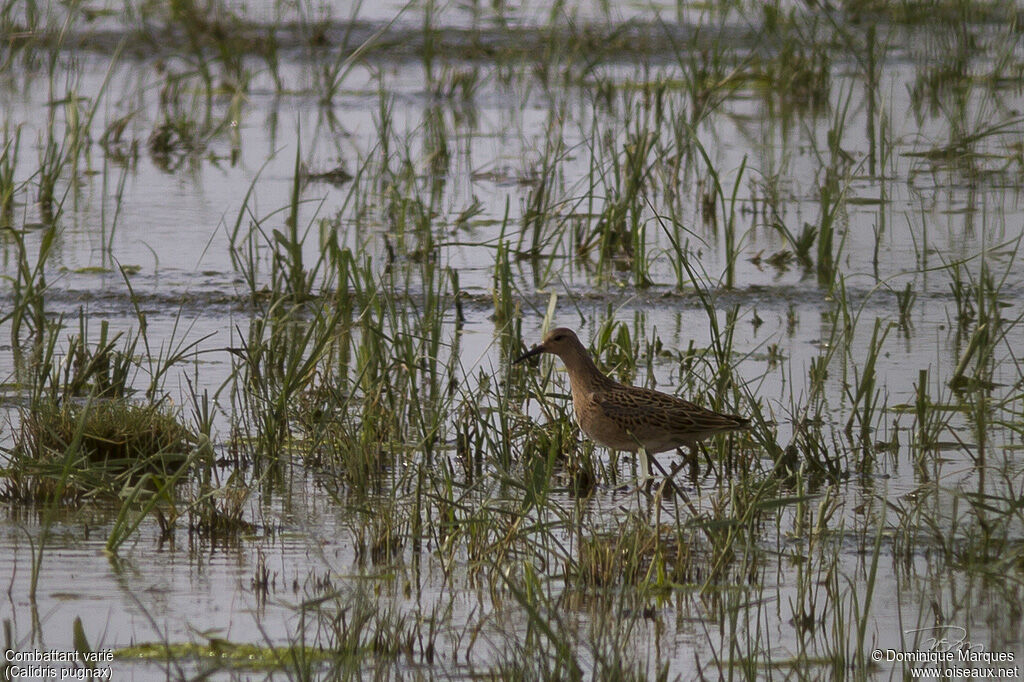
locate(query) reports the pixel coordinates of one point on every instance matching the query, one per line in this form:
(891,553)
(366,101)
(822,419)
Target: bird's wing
(665,411)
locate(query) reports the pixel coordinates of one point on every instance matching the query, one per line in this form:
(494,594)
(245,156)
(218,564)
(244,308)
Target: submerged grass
(481,537)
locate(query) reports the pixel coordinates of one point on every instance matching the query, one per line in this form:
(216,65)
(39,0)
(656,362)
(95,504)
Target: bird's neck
(583,373)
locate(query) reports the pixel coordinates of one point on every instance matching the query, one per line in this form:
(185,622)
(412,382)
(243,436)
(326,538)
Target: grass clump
(625,556)
(637,552)
(112,431)
(98,445)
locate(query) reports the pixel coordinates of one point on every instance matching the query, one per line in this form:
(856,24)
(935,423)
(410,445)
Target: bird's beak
(536,350)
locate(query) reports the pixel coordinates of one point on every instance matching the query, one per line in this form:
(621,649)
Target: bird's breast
(598,426)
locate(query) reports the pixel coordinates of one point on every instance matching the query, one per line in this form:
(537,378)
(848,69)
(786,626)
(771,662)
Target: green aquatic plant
(108,441)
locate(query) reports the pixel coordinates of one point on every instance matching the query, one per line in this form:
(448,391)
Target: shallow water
(906,214)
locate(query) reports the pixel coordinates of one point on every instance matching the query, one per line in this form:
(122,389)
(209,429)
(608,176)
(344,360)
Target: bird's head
(560,342)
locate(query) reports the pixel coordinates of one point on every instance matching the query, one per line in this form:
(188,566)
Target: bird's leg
(646,481)
(645,464)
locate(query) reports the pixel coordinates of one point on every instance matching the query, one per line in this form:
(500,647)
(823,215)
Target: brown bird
(630,418)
